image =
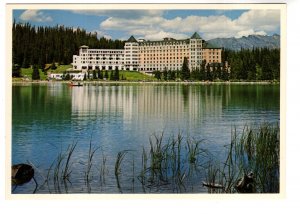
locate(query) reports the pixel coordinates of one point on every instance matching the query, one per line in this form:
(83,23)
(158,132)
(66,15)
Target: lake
(106,119)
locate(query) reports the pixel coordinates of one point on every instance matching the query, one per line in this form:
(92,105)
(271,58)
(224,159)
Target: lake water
(49,117)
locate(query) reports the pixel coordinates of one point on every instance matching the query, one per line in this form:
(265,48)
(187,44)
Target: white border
(188,204)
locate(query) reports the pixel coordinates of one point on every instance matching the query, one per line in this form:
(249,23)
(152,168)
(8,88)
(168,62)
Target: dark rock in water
(246,184)
(21,174)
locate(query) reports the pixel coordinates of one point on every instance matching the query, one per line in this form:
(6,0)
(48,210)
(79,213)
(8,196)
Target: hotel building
(148,56)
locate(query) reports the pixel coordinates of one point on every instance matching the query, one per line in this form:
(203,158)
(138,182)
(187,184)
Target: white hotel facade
(148,56)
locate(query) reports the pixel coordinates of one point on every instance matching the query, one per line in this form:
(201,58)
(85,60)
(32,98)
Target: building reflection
(149,101)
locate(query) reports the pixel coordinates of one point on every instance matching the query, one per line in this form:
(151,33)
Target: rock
(21,174)
(246,184)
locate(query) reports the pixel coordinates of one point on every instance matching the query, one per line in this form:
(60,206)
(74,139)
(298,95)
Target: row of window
(162,43)
(105,51)
(102,62)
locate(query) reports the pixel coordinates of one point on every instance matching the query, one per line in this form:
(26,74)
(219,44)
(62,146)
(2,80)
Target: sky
(157,24)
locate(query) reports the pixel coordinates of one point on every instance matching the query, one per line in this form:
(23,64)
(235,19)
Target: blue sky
(157,24)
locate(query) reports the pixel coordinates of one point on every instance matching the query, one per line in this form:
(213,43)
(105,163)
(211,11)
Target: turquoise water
(47,118)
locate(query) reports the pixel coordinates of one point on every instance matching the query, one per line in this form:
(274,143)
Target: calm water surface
(47,118)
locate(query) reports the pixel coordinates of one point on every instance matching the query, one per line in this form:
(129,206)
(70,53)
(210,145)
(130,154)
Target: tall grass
(176,163)
(255,150)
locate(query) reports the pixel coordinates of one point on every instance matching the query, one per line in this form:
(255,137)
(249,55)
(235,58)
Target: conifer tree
(35,73)
(106,74)
(16,71)
(185,71)
(117,74)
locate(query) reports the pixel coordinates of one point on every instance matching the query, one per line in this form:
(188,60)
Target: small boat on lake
(75,84)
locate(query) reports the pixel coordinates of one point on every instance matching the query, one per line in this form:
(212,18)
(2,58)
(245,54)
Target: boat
(75,84)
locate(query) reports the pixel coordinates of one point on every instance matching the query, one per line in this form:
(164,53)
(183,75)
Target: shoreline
(151,82)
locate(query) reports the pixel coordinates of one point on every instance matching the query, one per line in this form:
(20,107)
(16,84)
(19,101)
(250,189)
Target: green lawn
(27,72)
(128,75)
(60,68)
(136,76)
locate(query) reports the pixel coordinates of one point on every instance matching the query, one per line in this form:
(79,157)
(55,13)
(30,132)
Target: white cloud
(250,32)
(259,22)
(126,14)
(102,34)
(36,16)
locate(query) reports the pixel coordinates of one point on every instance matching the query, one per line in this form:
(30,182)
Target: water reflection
(47,118)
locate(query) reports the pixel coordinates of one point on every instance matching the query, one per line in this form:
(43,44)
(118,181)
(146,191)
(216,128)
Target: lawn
(136,76)
(124,75)
(27,72)
(60,68)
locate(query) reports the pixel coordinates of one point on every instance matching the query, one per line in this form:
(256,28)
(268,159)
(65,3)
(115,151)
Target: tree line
(245,65)
(45,45)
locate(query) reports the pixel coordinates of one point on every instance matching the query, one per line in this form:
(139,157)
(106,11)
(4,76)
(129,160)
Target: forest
(44,45)
(36,46)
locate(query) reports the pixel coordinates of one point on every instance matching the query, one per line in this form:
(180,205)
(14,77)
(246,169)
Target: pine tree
(185,71)
(117,74)
(157,75)
(16,71)
(35,73)
(53,66)
(94,74)
(208,73)
(106,74)
(165,74)
(99,73)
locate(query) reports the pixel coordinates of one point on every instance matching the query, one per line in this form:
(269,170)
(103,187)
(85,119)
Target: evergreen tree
(123,78)
(112,76)
(106,74)
(157,75)
(218,72)
(165,74)
(202,75)
(16,71)
(117,74)
(25,63)
(35,73)
(99,73)
(94,74)
(185,71)
(171,75)
(53,66)
(208,73)
(67,77)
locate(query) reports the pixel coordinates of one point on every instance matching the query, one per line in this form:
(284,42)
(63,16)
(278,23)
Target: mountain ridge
(247,42)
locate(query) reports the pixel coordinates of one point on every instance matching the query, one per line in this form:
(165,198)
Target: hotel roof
(196,36)
(131,39)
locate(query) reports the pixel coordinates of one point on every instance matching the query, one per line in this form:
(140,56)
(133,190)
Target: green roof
(195,36)
(209,45)
(131,39)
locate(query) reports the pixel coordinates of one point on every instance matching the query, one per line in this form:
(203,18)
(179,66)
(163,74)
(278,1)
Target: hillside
(256,41)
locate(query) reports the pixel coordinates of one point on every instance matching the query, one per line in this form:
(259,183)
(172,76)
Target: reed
(67,171)
(256,150)
(120,157)
(90,161)
(103,169)
(176,163)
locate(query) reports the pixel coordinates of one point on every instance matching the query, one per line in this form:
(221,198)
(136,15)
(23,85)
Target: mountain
(256,41)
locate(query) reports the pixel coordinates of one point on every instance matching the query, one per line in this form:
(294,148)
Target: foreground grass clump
(254,152)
